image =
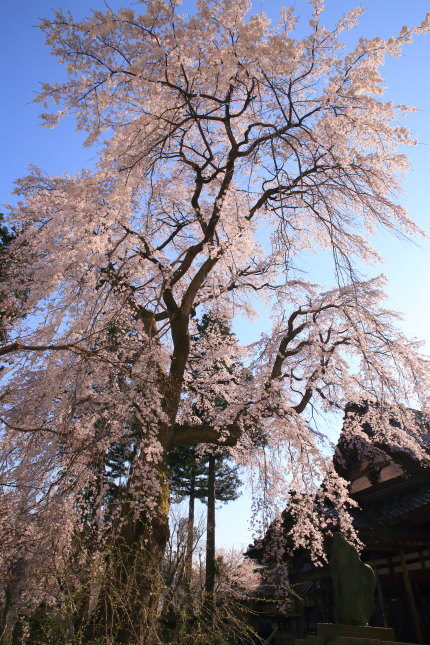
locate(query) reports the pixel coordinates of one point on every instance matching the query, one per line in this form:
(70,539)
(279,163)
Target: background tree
(231,146)
(8,234)
(189,478)
(236,579)
(221,480)
(176,605)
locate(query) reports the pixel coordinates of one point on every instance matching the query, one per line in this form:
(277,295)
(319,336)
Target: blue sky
(25,62)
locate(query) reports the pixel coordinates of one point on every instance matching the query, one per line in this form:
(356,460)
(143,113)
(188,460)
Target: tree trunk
(127,610)
(210,540)
(190,537)
(4,618)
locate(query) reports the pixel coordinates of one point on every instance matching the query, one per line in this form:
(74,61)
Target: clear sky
(26,62)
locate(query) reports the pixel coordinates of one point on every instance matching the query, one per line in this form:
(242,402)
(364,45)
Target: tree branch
(193,435)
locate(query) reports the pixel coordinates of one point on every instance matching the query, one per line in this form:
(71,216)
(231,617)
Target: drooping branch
(17,346)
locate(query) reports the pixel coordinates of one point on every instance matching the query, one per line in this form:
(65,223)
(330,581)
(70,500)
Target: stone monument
(354,591)
(353,584)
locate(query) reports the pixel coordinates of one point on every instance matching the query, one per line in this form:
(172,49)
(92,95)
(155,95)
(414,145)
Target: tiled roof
(392,508)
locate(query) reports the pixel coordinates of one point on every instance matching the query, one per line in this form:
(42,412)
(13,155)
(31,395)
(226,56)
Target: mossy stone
(353,583)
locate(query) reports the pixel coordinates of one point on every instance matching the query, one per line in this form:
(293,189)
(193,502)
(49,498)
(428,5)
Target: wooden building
(393,521)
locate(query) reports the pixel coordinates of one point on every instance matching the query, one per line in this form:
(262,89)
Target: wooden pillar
(422,561)
(410,595)
(380,597)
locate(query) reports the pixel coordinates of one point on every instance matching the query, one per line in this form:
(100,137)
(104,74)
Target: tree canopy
(188,475)
(227,146)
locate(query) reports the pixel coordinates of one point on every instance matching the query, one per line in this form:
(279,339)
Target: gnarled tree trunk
(128,600)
